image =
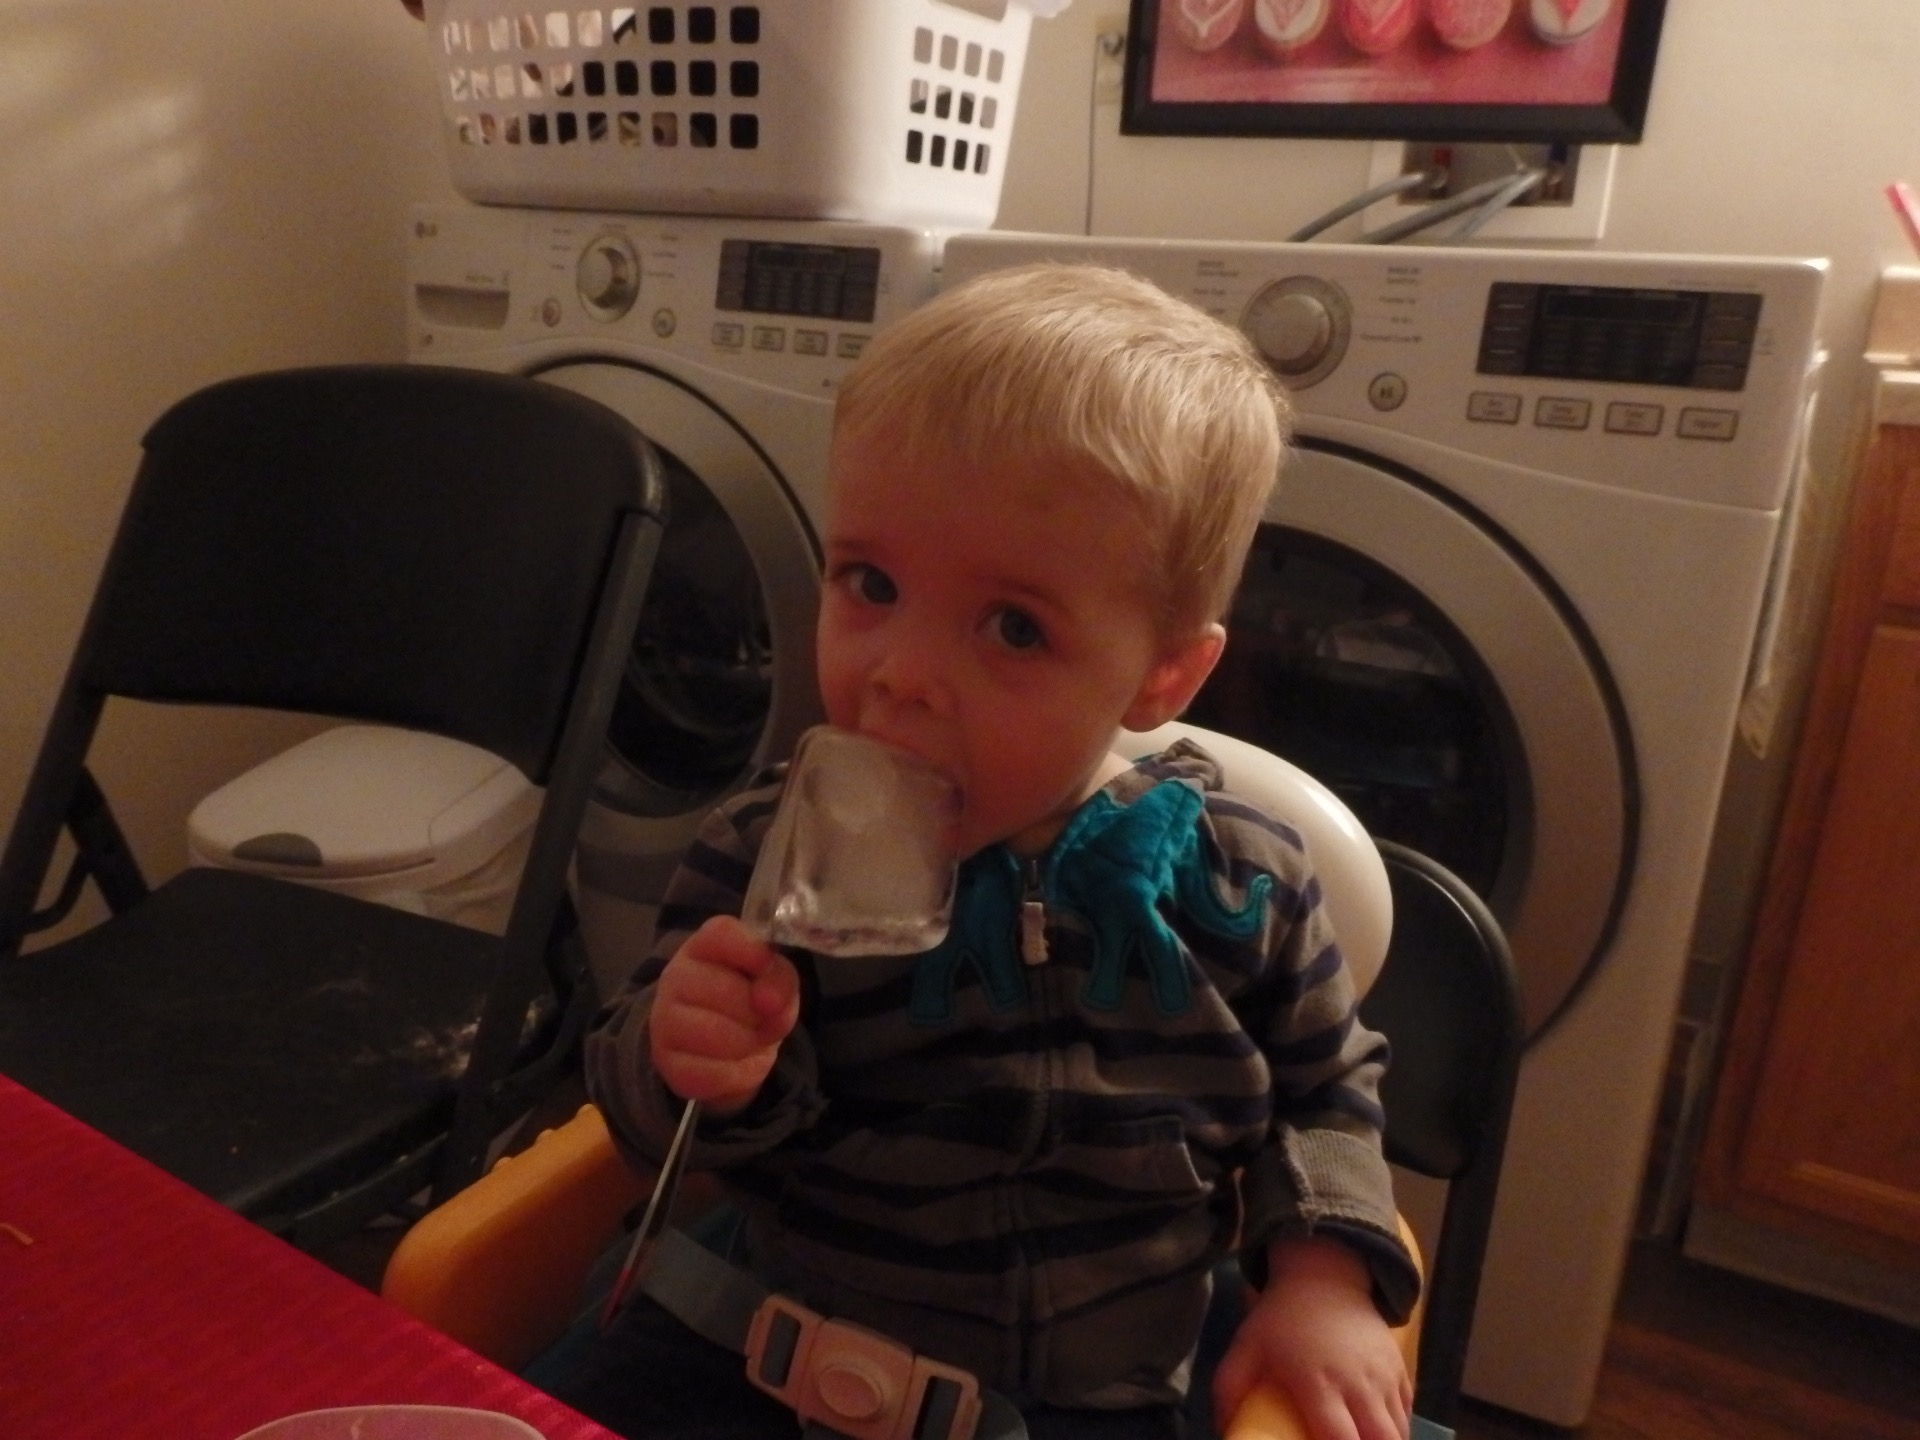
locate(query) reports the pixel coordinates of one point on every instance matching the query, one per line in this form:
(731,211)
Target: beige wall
(187,191)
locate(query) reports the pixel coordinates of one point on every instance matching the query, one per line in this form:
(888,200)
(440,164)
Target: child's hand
(1314,1333)
(720,1010)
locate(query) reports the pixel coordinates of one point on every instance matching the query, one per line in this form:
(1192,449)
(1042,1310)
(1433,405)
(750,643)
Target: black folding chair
(1448,1001)
(445,550)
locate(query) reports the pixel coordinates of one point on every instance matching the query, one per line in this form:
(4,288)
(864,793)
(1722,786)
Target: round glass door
(1337,664)
(720,679)
(698,688)
(1394,646)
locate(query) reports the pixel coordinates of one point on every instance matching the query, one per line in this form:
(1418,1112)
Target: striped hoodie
(1030,1170)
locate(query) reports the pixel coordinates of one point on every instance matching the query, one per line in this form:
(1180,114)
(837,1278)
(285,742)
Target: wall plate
(1584,217)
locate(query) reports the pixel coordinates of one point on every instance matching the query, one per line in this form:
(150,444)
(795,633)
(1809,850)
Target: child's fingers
(726,943)
(1373,1415)
(731,953)
(722,1007)
(1328,1418)
(776,996)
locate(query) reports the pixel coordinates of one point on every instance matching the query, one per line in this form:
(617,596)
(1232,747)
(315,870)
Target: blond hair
(1082,361)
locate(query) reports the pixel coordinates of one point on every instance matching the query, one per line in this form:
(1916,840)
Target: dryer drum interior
(1393,643)
(1361,681)
(720,680)
(698,686)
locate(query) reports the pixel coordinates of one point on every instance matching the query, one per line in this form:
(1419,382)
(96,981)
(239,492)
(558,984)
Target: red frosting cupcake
(1204,24)
(1373,27)
(1561,22)
(1468,24)
(1285,26)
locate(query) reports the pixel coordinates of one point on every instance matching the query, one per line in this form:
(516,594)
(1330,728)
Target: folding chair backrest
(1448,1002)
(356,595)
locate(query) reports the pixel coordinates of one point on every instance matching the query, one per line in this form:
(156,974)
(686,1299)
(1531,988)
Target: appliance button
(1492,407)
(769,337)
(1387,391)
(1719,377)
(729,335)
(852,347)
(1558,412)
(1699,424)
(665,322)
(809,342)
(1627,418)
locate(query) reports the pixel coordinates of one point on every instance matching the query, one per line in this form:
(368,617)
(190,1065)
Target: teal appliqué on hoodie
(1119,867)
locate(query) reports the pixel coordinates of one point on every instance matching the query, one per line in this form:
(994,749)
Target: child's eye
(872,585)
(1018,630)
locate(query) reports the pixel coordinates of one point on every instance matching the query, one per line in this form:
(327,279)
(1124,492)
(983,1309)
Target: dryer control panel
(1674,375)
(1698,339)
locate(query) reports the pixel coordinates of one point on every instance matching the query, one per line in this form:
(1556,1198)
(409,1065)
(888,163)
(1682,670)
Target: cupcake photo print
(1566,71)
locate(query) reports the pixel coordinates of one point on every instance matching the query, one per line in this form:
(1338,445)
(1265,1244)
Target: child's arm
(721,1007)
(1315,1333)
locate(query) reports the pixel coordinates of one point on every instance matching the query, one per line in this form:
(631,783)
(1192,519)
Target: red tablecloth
(134,1308)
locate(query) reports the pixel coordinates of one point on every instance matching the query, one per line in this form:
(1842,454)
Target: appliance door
(721,678)
(1393,643)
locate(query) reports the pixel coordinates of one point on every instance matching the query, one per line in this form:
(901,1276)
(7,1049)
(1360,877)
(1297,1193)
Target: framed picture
(1523,71)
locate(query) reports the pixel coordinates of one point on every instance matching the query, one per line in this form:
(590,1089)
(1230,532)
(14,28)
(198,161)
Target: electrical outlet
(1570,204)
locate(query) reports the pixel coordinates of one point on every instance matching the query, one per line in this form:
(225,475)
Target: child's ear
(1175,679)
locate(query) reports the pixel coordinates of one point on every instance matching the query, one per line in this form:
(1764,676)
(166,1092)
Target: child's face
(992,619)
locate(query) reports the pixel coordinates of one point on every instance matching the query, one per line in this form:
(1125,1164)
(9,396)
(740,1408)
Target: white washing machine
(1506,602)
(723,340)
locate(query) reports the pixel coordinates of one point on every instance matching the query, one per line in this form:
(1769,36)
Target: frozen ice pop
(860,857)
(859,861)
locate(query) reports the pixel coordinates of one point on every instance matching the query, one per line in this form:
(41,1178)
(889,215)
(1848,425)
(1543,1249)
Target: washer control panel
(785,303)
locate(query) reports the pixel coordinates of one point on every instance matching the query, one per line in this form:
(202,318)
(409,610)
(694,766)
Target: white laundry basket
(398,817)
(892,111)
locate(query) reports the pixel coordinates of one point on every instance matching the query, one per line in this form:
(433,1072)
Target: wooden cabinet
(1816,1123)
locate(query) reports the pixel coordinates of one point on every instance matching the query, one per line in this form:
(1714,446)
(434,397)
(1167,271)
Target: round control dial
(608,277)
(1300,326)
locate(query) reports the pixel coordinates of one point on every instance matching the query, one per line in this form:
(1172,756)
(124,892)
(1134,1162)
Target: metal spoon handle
(659,1207)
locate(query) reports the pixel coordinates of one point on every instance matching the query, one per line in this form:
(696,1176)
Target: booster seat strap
(711,1297)
(718,1301)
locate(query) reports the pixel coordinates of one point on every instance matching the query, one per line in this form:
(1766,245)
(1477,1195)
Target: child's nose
(910,671)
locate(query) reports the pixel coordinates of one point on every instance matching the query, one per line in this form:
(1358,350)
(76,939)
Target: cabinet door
(1835,1126)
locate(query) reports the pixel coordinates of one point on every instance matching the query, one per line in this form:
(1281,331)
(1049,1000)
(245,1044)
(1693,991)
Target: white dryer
(1505,603)
(723,340)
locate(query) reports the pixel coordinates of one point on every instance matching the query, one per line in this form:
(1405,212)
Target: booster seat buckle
(856,1382)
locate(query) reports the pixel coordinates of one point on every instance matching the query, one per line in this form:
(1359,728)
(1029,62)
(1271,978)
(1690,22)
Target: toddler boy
(1024,1152)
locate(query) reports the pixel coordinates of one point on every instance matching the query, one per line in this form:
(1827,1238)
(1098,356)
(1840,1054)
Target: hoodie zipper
(1033,913)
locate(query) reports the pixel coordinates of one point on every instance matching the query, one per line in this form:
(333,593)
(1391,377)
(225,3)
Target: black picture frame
(1420,89)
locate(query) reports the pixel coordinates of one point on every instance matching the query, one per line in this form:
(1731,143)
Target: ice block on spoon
(859,861)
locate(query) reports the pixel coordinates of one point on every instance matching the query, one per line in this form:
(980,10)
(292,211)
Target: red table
(134,1308)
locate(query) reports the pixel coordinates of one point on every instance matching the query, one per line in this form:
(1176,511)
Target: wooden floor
(1696,1353)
